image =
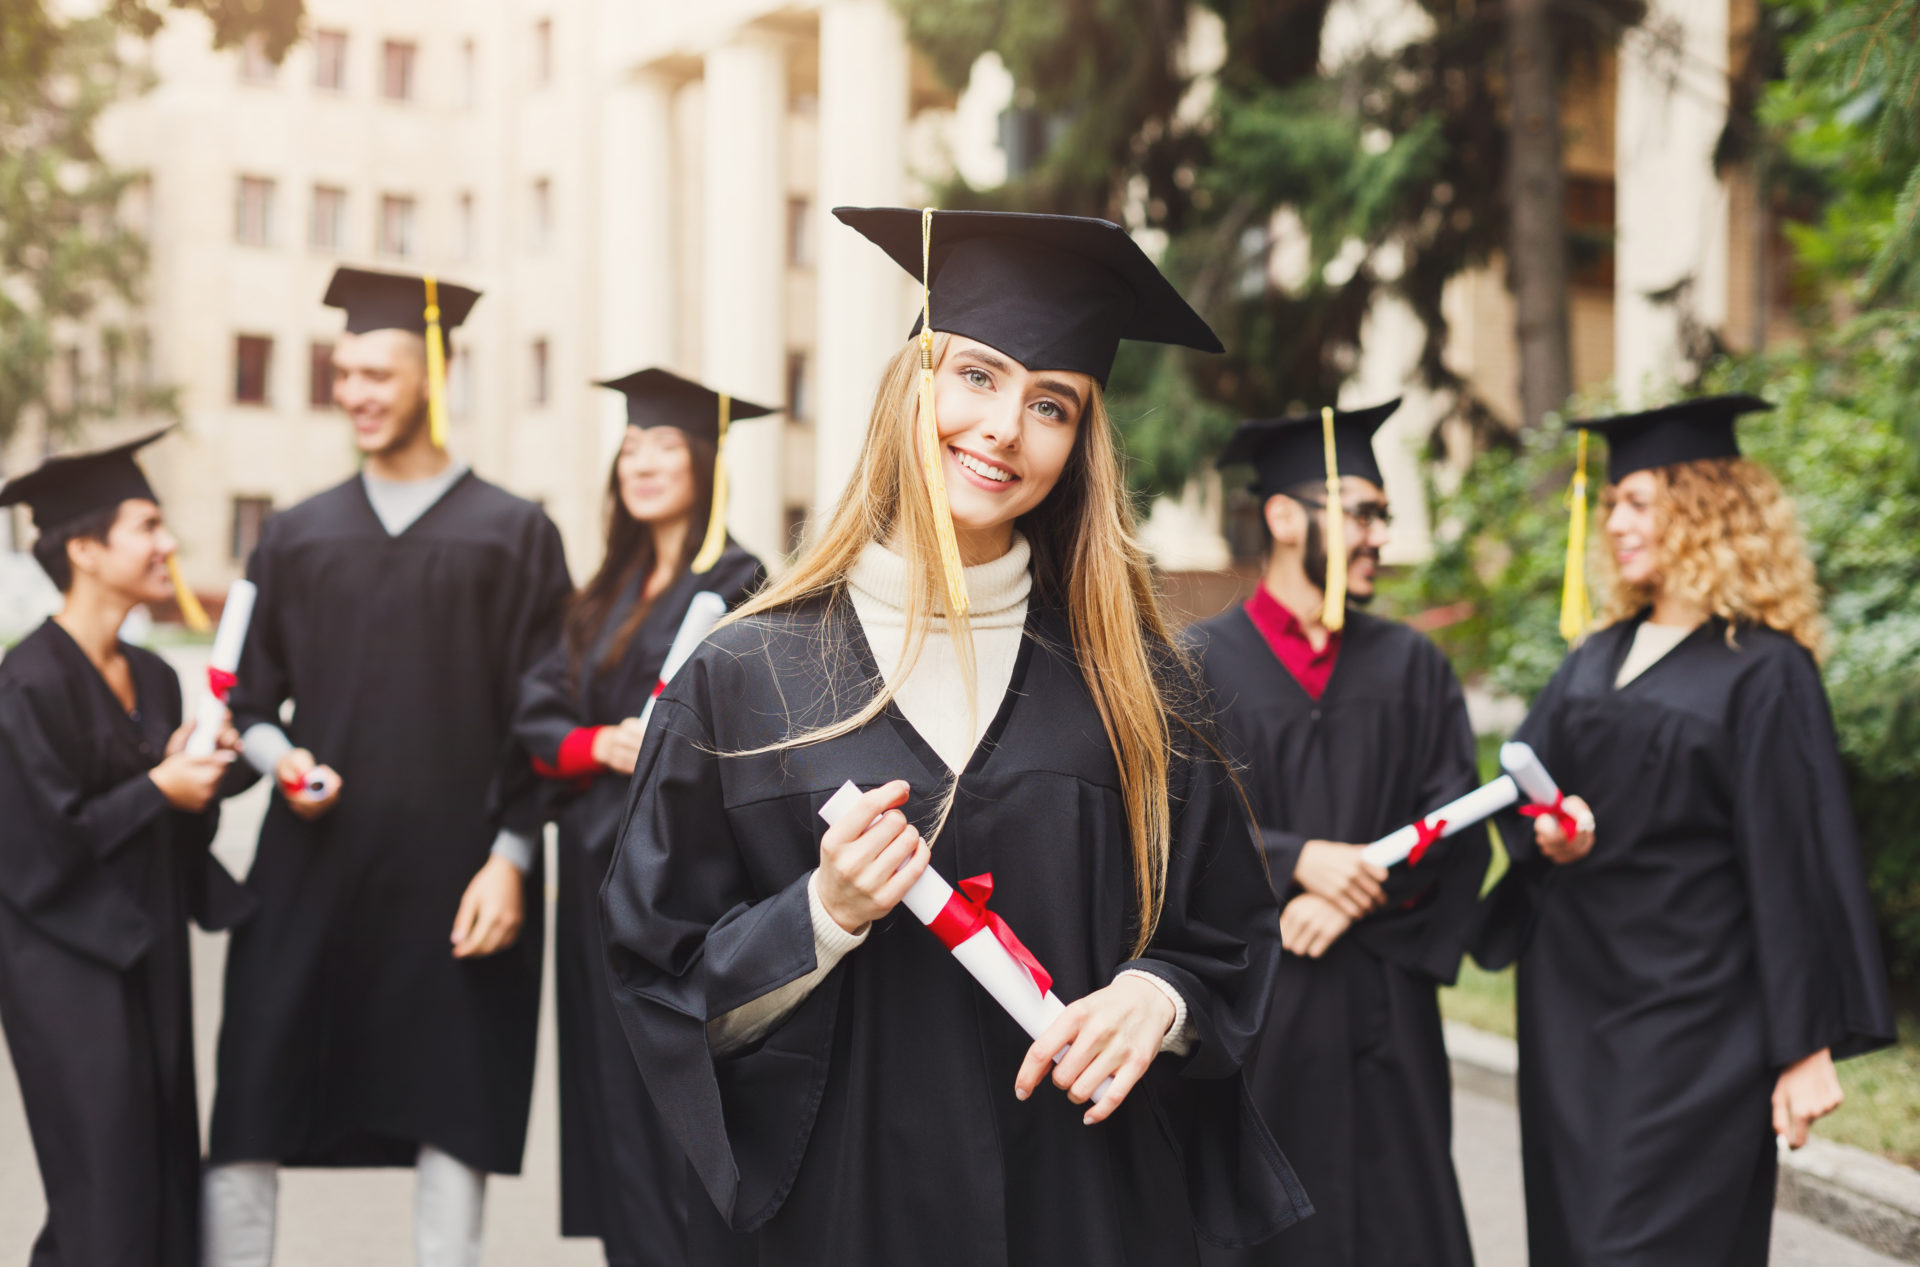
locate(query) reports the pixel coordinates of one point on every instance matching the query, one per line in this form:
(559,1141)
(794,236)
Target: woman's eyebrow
(1062,388)
(987,359)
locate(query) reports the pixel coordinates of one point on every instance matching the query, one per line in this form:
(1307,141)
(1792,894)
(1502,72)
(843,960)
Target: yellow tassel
(716,538)
(191,611)
(1575,612)
(1333,610)
(436,369)
(931,465)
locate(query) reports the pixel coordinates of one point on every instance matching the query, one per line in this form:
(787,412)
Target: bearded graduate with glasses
(974,640)
(1347,727)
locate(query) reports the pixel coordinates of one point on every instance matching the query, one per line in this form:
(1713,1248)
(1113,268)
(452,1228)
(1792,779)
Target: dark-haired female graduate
(102,861)
(846,1093)
(1698,950)
(1343,742)
(622,1177)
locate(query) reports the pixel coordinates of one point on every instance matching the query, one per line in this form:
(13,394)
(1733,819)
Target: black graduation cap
(658,398)
(74,485)
(394,301)
(1685,431)
(1287,452)
(1052,292)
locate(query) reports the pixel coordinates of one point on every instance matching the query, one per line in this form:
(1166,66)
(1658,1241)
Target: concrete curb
(1855,1193)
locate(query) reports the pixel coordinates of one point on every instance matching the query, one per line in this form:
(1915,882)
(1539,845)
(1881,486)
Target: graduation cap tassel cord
(1333,611)
(436,368)
(929,435)
(1575,614)
(716,538)
(191,611)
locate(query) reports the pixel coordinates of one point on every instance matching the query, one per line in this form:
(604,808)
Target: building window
(328,228)
(330,61)
(540,215)
(255,66)
(469,75)
(396,226)
(250,515)
(253,212)
(463,226)
(543,53)
(252,362)
(799,233)
(1591,231)
(799,387)
(540,371)
(320,375)
(396,70)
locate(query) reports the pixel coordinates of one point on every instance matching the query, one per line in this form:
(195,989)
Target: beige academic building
(646,182)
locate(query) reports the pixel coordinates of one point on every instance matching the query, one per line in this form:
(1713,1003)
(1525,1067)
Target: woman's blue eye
(1050,409)
(977,377)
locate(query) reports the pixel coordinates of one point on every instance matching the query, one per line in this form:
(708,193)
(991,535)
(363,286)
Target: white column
(743,318)
(863,313)
(1671,208)
(636,241)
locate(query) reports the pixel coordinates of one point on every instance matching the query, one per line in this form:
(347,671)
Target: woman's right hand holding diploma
(1555,844)
(293,770)
(866,870)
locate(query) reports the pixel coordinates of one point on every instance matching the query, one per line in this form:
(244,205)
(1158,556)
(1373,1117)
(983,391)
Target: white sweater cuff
(831,943)
(1179,1039)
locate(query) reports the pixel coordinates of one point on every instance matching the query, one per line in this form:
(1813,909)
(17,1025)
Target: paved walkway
(364,1217)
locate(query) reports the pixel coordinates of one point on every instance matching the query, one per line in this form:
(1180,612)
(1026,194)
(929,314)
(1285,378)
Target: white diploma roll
(228,640)
(703,613)
(985,959)
(1524,776)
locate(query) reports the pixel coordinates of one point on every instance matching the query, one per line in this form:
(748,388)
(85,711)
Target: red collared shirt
(1281,628)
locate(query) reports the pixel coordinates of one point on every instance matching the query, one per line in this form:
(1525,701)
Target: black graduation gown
(351,1035)
(98,877)
(1719,931)
(877,1124)
(1351,1073)
(622,1177)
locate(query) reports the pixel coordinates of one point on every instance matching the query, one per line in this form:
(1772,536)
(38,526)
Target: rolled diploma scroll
(221,666)
(1525,776)
(703,613)
(982,955)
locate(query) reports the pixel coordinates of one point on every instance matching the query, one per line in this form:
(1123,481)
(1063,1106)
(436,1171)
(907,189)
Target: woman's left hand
(1112,1033)
(1806,1091)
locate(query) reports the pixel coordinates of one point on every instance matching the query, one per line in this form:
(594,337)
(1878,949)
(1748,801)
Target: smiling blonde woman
(974,640)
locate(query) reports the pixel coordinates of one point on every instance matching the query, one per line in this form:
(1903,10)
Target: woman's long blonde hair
(1086,558)
(1729,541)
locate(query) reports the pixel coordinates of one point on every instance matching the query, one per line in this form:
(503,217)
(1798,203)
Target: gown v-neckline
(909,735)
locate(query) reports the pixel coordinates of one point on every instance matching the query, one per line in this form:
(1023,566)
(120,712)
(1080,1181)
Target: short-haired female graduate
(103,859)
(622,1177)
(1699,948)
(845,1092)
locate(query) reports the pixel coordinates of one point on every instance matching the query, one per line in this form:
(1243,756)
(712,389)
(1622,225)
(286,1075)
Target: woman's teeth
(982,469)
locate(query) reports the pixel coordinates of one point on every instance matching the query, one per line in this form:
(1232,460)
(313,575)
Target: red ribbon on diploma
(1559,812)
(1428,833)
(219,681)
(659,685)
(966,913)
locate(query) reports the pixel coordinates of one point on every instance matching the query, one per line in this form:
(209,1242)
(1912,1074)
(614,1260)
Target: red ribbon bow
(1558,811)
(966,913)
(1428,833)
(219,681)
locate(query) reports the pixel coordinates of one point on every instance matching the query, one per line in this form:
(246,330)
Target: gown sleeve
(548,709)
(1503,922)
(1429,913)
(531,614)
(1817,949)
(1218,944)
(688,940)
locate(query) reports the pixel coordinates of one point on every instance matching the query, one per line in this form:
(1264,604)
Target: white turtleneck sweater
(933,699)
